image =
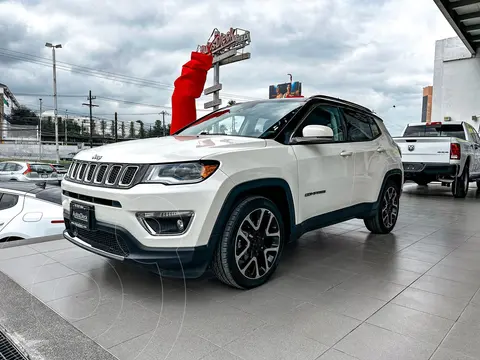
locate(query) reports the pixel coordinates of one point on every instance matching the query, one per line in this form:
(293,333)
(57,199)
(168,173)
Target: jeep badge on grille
(96,157)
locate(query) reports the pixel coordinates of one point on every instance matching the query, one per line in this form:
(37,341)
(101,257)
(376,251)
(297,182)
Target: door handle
(346,153)
(1,224)
(380,150)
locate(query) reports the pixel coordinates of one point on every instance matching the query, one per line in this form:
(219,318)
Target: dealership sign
(219,43)
(223,47)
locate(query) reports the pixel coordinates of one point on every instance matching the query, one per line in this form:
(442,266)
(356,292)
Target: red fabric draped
(188,87)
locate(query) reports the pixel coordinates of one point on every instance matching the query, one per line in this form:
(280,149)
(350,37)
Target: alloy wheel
(390,207)
(257,243)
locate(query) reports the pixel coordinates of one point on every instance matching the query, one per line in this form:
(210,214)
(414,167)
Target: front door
(325,171)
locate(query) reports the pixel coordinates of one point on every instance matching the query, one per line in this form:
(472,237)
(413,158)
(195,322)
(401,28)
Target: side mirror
(314,134)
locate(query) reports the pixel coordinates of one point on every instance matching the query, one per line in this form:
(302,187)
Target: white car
(446,152)
(30,210)
(28,171)
(229,191)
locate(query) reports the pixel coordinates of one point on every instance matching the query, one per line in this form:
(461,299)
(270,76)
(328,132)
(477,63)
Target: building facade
(456,83)
(427,104)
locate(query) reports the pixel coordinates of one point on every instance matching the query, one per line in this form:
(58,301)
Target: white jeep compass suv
(231,189)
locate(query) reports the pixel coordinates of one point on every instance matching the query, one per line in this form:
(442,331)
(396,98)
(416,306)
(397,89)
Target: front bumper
(116,243)
(119,207)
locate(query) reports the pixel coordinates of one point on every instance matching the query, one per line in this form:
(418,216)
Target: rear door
(370,155)
(10,206)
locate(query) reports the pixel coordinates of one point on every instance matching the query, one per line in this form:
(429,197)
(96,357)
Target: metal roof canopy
(464,17)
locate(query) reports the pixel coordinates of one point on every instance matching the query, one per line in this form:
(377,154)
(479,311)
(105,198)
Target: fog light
(165,222)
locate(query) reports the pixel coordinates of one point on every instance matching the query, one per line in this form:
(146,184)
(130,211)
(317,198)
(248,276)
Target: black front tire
(386,215)
(461,184)
(234,248)
(478,184)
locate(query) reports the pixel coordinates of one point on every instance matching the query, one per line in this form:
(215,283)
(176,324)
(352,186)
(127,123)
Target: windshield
(455,131)
(252,119)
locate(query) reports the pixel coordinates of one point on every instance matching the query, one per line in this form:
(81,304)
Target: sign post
(224,49)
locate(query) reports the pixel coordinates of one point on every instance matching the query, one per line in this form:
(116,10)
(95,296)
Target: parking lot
(339,294)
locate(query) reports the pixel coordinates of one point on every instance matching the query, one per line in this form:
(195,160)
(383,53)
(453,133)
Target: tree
(231,102)
(122,129)
(23,116)
(131,133)
(157,128)
(141,132)
(103,125)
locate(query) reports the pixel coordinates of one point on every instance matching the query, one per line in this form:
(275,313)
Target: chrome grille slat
(81,171)
(113,173)
(128,175)
(90,172)
(100,175)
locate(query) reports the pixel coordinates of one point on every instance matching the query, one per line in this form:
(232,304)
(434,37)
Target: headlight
(180,173)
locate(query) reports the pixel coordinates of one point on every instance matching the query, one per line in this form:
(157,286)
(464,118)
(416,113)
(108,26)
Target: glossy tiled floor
(340,294)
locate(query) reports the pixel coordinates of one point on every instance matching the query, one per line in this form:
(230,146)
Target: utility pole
(40,133)
(163,113)
(65,124)
(116,129)
(58,46)
(90,105)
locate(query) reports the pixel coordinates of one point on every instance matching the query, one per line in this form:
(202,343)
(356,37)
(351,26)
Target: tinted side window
(10,167)
(375,129)
(358,126)
(2,167)
(8,201)
(326,116)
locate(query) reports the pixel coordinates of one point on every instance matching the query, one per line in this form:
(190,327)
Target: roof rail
(342,101)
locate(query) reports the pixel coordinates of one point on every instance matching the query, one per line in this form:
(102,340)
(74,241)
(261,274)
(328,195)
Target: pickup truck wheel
(461,184)
(251,245)
(478,184)
(386,215)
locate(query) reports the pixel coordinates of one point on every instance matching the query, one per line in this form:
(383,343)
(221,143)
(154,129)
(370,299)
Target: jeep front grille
(103,174)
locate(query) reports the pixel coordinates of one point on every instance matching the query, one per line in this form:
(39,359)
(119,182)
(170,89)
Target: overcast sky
(375,52)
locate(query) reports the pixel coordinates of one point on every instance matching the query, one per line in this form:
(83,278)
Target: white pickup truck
(445,152)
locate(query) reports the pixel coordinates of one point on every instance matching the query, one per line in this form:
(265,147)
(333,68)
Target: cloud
(378,53)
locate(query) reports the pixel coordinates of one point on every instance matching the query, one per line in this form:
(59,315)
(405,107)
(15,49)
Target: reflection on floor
(340,293)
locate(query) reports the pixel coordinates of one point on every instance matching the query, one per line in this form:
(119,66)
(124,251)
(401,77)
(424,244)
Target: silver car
(27,171)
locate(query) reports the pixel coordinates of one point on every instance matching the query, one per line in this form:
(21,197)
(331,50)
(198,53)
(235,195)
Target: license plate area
(82,216)
(413,167)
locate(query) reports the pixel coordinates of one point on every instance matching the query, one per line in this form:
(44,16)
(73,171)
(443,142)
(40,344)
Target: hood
(168,149)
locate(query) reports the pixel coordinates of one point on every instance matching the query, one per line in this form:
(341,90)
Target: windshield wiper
(205,133)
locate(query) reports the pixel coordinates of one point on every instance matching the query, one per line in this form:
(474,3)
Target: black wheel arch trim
(388,176)
(235,195)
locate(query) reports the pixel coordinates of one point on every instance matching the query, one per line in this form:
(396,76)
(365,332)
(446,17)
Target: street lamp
(40,133)
(55,112)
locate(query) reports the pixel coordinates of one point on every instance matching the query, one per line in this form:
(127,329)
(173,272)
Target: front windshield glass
(252,119)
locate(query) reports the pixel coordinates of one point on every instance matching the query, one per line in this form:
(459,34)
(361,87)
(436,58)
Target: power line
(34,59)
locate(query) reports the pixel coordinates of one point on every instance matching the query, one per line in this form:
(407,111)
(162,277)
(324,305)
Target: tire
(386,215)
(233,261)
(478,184)
(461,184)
